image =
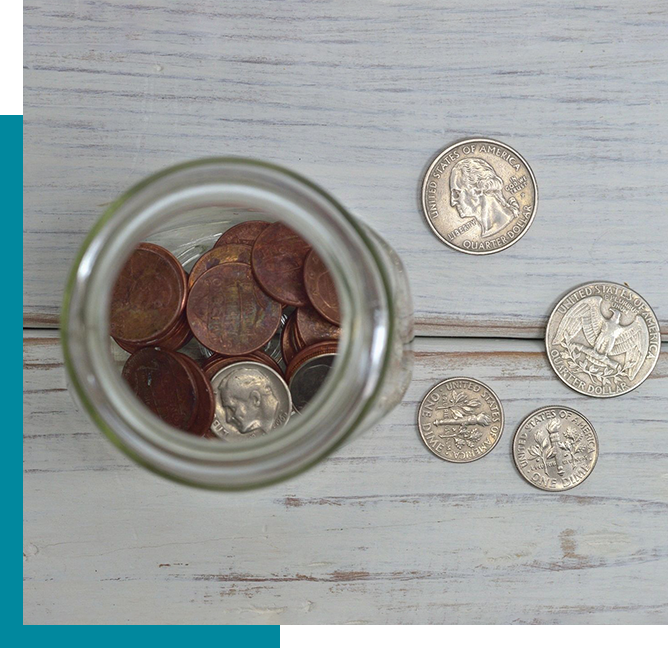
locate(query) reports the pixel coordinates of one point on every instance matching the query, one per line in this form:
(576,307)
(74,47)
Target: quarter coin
(244,233)
(460,420)
(603,339)
(555,448)
(321,289)
(229,313)
(278,260)
(251,401)
(479,196)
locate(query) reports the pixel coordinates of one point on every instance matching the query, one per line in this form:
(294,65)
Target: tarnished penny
(175,338)
(244,233)
(251,401)
(311,328)
(320,288)
(164,385)
(273,347)
(148,297)
(278,264)
(479,196)
(226,253)
(460,420)
(289,345)
(229,313)
(321,348)
(212,365)
(603,339)
(307,380)
(555,448)
(206,403)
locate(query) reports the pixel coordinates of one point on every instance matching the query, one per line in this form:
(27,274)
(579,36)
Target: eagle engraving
(605,335)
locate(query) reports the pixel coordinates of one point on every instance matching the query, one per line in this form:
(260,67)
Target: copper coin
(226,253)
(289,347)
(164,385)
(175,338)
(256,356)
(312,328)
(229,313)
(149,295)
(321,348)
(206,401)
(320,288)
(244,233)
(278,264)
(214,365)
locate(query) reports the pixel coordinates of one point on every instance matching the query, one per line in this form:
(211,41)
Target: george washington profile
(476,191)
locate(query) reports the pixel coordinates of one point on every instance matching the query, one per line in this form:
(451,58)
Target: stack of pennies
(264,312)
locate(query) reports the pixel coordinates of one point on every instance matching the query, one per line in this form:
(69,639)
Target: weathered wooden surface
(382,532)
(359,96)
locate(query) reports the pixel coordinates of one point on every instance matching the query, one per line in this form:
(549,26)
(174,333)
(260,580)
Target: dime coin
(244,233)
(206,403)
(603,339)
(479,196)
(307,380)
(251,401)
(311,328)
(148,297)
(278,260)
(321,289)
(229,313)
(460,419)
(164,385)
(226,253)
(555,448)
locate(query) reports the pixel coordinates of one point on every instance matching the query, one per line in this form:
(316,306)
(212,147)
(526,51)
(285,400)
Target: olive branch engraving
(578,362)
(461,417)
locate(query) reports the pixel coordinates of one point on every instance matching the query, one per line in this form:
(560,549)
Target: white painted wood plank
(359,96)
(382,532)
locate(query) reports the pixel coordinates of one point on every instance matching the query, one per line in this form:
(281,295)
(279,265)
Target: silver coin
(308,379)
(603,339)
(555,448)
(460,420)
(251,401)
(479,196)
(273,347)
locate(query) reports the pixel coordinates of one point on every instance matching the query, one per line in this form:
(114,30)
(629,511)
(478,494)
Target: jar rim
(364,348)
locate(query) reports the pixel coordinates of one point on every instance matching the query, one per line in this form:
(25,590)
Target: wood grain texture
(359,97)
(382,532)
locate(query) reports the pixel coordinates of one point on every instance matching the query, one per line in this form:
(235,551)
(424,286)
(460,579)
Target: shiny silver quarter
(479,196)
(251,401)
(603,339)
(460,420)
(555,448)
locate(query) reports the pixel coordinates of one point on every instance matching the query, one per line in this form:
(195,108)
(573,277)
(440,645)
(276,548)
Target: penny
(603,339)
(309,378)
(311,328)
(206,402)
(164,385)
(306,354)
(320,288)
(214,364)
(252,400)
(229,313)
(211,366)
(289,347)
(273,347)
(244,233)
(226,253)
(148,297)
(479,196)
(278,260)
(555,448)
(460,420)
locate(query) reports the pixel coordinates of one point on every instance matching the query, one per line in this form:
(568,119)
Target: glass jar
(185,209)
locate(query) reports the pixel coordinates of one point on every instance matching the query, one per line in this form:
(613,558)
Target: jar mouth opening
(271,193)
